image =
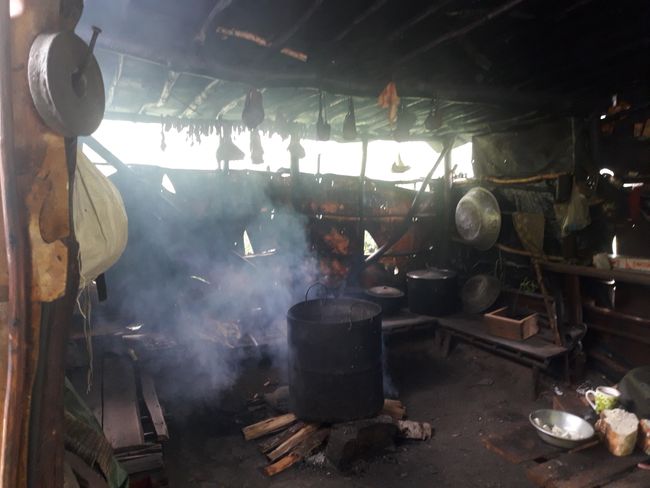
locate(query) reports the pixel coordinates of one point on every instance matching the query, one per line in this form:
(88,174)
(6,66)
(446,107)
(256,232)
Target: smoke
(185,276)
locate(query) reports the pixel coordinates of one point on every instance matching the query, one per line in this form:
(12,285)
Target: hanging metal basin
(478,218)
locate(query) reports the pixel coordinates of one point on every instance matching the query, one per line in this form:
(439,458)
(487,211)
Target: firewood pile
(285,440)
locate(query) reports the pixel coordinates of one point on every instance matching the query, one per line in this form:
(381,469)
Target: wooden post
(36,186)
(447,210)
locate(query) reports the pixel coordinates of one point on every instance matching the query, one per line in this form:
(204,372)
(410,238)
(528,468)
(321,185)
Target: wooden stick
(268,426)
(303,450)
(529,179)
(260,41)
(552,318)
(284,463)
(292,442)
(460,32)
(394,408)
(276,440)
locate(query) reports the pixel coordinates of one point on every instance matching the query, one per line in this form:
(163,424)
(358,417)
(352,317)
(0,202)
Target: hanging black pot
(323,129)
(350,123)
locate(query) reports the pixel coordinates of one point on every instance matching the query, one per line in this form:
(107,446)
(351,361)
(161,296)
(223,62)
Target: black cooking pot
(335,366)
(432,291)
(388,298)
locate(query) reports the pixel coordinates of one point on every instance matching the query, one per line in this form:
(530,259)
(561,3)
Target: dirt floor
(464,396)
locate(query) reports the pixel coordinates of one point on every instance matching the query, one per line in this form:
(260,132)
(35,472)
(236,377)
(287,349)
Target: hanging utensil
(399,166)
(350,123)
(323,129)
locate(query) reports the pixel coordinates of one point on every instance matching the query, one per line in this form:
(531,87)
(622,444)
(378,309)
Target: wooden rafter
(192,109)
(460,32)
(428,12)
(166,92)
(359,19)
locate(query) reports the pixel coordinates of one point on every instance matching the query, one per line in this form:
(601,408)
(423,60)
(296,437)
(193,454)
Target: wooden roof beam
(360,18)
(449,36)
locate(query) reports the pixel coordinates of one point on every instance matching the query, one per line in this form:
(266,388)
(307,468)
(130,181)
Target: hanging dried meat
(389,99)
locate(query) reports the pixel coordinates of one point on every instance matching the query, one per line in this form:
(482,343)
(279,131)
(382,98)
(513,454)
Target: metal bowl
(478,218)
(581,431)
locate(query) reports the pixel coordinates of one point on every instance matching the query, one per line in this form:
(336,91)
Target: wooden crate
(500,325)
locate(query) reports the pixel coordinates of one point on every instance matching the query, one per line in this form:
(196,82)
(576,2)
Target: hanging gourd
(257,151)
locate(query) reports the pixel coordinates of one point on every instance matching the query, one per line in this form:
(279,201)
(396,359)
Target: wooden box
(499,324)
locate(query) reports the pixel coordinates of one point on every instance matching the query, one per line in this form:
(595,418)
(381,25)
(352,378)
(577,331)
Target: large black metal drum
(335,366)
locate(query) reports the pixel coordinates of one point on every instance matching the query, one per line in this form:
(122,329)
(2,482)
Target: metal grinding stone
(69,110)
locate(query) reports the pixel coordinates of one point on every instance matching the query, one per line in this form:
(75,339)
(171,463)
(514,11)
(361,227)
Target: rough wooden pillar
(448,211)
(36,187)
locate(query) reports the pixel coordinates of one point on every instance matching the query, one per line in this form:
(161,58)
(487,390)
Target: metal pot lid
(431,274)
(479,293)
(478,218)
(384,292)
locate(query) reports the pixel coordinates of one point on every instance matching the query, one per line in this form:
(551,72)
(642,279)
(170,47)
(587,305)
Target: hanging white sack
(100,221)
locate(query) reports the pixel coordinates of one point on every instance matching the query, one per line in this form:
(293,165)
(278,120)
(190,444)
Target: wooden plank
(153,406)
(473,326)
(273,442)
(93,397)
(89,477)
(268,426)
(584,469)
(121,416)
(520,443)
(288,445)
(639,478)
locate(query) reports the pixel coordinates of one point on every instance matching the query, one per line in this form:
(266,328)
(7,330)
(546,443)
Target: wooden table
(539,352)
